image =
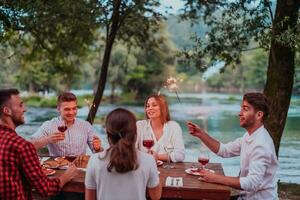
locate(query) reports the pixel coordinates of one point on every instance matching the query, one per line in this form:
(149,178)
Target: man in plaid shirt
(20,169)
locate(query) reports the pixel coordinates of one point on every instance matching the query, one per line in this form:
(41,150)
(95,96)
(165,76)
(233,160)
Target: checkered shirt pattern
(20,169)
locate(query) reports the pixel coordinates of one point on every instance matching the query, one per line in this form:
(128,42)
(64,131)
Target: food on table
(81,161)
(48,172)
(56,163)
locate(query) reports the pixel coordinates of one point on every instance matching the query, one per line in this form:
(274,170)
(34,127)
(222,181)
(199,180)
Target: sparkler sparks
(171,85)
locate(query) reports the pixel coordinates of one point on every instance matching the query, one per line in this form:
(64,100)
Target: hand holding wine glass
(62,128)
(55,137)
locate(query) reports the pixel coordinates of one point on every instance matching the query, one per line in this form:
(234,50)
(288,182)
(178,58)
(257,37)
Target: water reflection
(220,118)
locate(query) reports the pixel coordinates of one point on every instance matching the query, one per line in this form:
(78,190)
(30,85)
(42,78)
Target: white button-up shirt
(172,136)
(258,164)
(77,137)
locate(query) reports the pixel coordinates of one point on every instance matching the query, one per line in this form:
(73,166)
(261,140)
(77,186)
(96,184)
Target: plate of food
(159,162)
(51,164)
(62,161)
(196,171)
(48,172)
(56,163)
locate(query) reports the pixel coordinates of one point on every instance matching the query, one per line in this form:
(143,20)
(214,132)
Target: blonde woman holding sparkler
(159,135)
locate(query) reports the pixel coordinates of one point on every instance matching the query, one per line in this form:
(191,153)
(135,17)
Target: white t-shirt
(258,164)
(172,136)
(116,186)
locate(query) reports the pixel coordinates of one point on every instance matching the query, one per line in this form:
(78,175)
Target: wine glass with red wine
(203,158)
(148,140)
(62,128)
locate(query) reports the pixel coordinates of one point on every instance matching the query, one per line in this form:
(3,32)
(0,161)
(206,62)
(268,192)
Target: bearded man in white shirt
(256,149)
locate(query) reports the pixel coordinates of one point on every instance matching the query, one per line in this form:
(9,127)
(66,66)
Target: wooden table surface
(192,187)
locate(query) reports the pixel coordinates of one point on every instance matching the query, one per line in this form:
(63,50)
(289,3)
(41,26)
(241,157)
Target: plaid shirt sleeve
(34,174)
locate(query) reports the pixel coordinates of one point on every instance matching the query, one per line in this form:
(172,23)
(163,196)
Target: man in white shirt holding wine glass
(256,148)
(67,135)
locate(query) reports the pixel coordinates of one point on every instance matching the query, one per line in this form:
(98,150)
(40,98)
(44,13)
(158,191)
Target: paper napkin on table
(174,181)
(43,159)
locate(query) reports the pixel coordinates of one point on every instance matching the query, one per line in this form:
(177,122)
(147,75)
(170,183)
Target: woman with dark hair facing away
(165,133)
(121,171)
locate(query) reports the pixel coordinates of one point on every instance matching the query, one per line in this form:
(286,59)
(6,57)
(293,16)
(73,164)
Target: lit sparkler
(171,85)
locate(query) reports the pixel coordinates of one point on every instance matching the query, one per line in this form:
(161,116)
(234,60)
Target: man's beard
(17,121)
(248,123)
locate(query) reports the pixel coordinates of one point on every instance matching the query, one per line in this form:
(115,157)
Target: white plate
(59,159)
(82,169)
(159,162)
(43,159)
(50,167)
(64,167)
(193,171)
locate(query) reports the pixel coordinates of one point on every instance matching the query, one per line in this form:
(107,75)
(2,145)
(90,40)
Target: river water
(216,112)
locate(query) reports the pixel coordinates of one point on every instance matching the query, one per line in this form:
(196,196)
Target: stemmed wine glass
(203,158)
(169,149)
(62,128)
(148,140)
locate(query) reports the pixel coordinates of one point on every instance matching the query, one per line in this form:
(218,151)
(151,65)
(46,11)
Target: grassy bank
(50,102)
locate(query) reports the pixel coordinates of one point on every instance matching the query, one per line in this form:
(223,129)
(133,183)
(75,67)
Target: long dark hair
(121,133)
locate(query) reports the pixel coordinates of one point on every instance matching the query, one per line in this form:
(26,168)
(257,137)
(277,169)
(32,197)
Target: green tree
(57,32)
(133,22)
(250,73)
(255,66)
(297,76)
(120,61)
(235,26)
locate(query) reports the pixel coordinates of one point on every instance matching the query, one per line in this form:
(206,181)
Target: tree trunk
(280,75)
(105,62)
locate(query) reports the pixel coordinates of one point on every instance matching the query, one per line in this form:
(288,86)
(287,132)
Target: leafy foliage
(50,38)
(235,26)
(249,74)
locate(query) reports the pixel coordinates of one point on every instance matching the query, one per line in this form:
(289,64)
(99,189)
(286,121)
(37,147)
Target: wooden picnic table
(192,187)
